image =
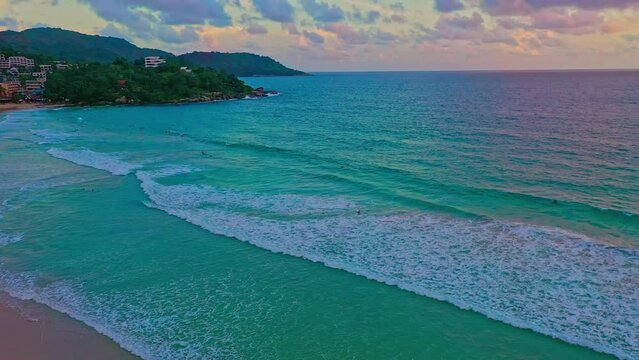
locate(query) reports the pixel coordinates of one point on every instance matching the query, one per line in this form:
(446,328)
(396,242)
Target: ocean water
(355,216)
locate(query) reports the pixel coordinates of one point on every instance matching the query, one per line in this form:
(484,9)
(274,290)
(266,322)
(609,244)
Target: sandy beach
(31,331)
(6,107)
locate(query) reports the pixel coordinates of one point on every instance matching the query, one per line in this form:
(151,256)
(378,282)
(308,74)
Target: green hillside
(73,46)
(240,64)
(60,44)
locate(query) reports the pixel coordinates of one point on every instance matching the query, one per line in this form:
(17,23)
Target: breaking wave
(555,282)
(112,163)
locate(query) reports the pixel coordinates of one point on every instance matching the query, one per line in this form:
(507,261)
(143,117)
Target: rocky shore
(259,92)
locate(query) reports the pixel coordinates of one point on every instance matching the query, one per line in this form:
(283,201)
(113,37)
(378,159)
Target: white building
(40,74)
(32,85)
(47,68)
(61,66)
(21,61)
(153,61)
(4,63)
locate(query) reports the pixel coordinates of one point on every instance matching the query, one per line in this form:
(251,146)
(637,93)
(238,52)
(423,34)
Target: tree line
(130,82)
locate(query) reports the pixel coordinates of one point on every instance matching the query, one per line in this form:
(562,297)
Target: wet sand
(6,107)
(30,331)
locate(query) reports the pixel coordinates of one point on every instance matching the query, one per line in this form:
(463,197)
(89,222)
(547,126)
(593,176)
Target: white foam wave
(188,196)
(112,163)
(51,136)
(554,282)
(112,315)
(65,298)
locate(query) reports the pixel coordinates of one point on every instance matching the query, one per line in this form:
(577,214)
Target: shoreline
(32,331)
(9,107)
(258,93)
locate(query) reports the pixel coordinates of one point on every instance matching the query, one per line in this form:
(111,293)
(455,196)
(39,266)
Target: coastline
(255,94)
(32,331)
(9,107)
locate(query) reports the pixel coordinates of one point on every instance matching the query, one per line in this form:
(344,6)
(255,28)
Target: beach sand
(30,331)
(5,107)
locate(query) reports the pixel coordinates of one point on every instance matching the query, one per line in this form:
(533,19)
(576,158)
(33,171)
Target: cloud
(397,7)
(585,4)
(568,21)
(323,12)
(369,17)
(447,6)
(352,36)
(471,29)
(255,28)
(168,34)
(276,10)
(396,18)
(527,7)
(459,27)
(290,29)
(314,37)
(9,23)
(113,31)
(252,45)
(347,33)
(184,12)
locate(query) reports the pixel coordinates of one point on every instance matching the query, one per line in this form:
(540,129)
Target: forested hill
(240,64)
(73,46)
(76,47)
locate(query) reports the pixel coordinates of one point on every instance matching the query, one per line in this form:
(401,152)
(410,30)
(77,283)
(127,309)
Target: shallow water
(354,216)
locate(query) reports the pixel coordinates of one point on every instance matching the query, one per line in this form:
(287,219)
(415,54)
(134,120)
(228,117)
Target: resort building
(10,88)
(47,68)
(33,85)
(4,63)
(21,61)
(61,66)
(185,69)
(40,74)
(153,61)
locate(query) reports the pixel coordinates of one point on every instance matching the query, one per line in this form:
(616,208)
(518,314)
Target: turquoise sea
(355,216)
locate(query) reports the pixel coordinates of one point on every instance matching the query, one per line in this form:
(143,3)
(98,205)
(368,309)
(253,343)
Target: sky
(358,35)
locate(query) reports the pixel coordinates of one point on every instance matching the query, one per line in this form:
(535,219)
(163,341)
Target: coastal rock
(261,92)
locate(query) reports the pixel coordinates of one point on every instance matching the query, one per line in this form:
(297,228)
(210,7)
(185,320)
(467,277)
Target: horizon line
(474,70)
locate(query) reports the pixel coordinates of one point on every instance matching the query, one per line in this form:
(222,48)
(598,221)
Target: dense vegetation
(75,47)
(123,81)
(240,64)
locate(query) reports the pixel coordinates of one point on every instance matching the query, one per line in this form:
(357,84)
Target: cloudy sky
(326,35)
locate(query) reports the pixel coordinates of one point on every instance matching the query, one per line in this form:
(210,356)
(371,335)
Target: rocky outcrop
(261,92)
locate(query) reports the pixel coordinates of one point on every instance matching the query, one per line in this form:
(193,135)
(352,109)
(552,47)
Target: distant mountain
(73,46)
(240,64)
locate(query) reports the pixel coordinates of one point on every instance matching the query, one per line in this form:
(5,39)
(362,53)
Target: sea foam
(189,196)
(7,239)
(112,163)
(555,282)
(51,136)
